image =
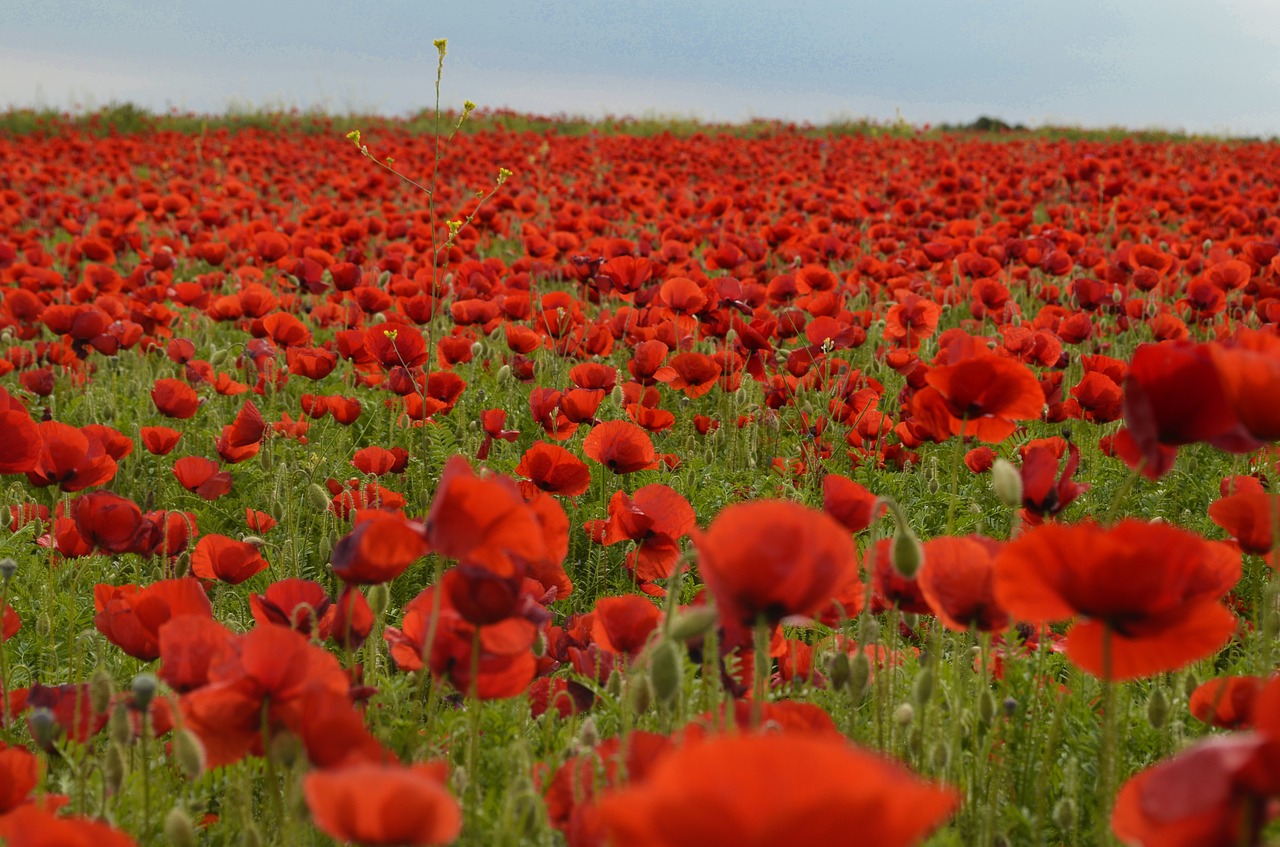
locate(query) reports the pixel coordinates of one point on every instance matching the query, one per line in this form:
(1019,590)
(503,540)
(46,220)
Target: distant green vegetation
(128,118)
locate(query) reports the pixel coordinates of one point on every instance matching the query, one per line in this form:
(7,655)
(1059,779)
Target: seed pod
(8,567)
(588,735)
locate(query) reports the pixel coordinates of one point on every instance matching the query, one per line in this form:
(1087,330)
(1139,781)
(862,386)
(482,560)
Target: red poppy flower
(72,709)
(1045,493)
(1226,702)
(693,373)
(848,502)
(1173,395)
(396,344)
(21,446)
(771,558)
(1219,791)
(202,477)
(108,521)
(242,439)
(620,446)
(1152,590)
(175,399)
(159,440)
(623,624)
(34,826)
(493,421)
(222,558)
(957,578)
(19,774)
(189,646)
(70,459)
(258,521)
(379,460)
(1249,371)
(656,517)
(981,395)
(1250,518)
(483,521)
(553,469)
(10,623)
(296,603)
(383,804)
(380,548)
(131,617)
(862,792)
(348,621)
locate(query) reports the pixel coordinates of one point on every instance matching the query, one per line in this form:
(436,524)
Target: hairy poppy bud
(940,755)
(904,714)
(839,670)
(1007,483)
(588,736)
(1064,814)
(188,752)
(665,671)
(693,622)
(859,676)
(1158,707)
(923,688)
(379,598)
(119,730)
(318,497)
(113,768)
(101,687)
(179,829)
(640,690)
(986,707)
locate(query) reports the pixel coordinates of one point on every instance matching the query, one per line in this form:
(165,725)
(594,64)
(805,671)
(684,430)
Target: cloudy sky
(1198,65)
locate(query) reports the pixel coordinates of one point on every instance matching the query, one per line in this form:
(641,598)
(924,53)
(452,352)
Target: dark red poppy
(225,559)
(863,792)
(493,421)
(383,804)
(553,469)
(20,448)
(396,344)
(620,446)
(957,578)
(769,559)
(380,548)
(189,646)
(349,619)
(131,617)
(1045,493)
(175,399)
(108,521)
(1250,517)
(483,521)
(623,624)
(242,439)
(1173,395)
(693,373)
(1148,595)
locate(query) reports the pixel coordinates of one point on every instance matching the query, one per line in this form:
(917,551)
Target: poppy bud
(504,375)
(905,553)
(1007,483)
(257,542)
(916,742)
(119,730)
(251,837)
(613,686)
(44,727)
(379,598)
(113,768)
(588,736)
(693,622)
(640,690)
(476,348)
(1064,814)
(617,397)
(318,497)
(179,829)
(665,671)
(868,630)
(839,670)
(8,567)
(101,688)
(941,755)
(188,752)
(859,676)
(904,714)
(1190,684)
(986,707)
(923,688)
(539,644)
(144,688)
(1158,707)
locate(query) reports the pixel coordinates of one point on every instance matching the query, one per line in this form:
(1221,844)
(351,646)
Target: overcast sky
(1198,65)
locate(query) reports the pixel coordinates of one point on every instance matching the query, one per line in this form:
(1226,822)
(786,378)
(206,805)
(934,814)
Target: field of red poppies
(542,484)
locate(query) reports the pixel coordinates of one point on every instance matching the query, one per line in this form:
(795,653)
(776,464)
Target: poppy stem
(1113,508)
(473,717)
(764,663)
(956,458)
(1107,756)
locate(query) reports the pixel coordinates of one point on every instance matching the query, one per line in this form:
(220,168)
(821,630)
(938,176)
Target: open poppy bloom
(957,578)
(656,517)
(982,395)
(1226,702)
(380,548)
(131,617)
(553,469)
(222,558)
(383,804)
(1148,595)
(175,399)
(620,446)
(1045,492)
(31,825)
(70,459)
(1250,518)
(769,559)
(1221,790)
(20,449)
(1249,372)
(778,788)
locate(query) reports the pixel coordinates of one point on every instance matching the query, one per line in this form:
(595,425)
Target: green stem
(764,665)
(1107,757)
